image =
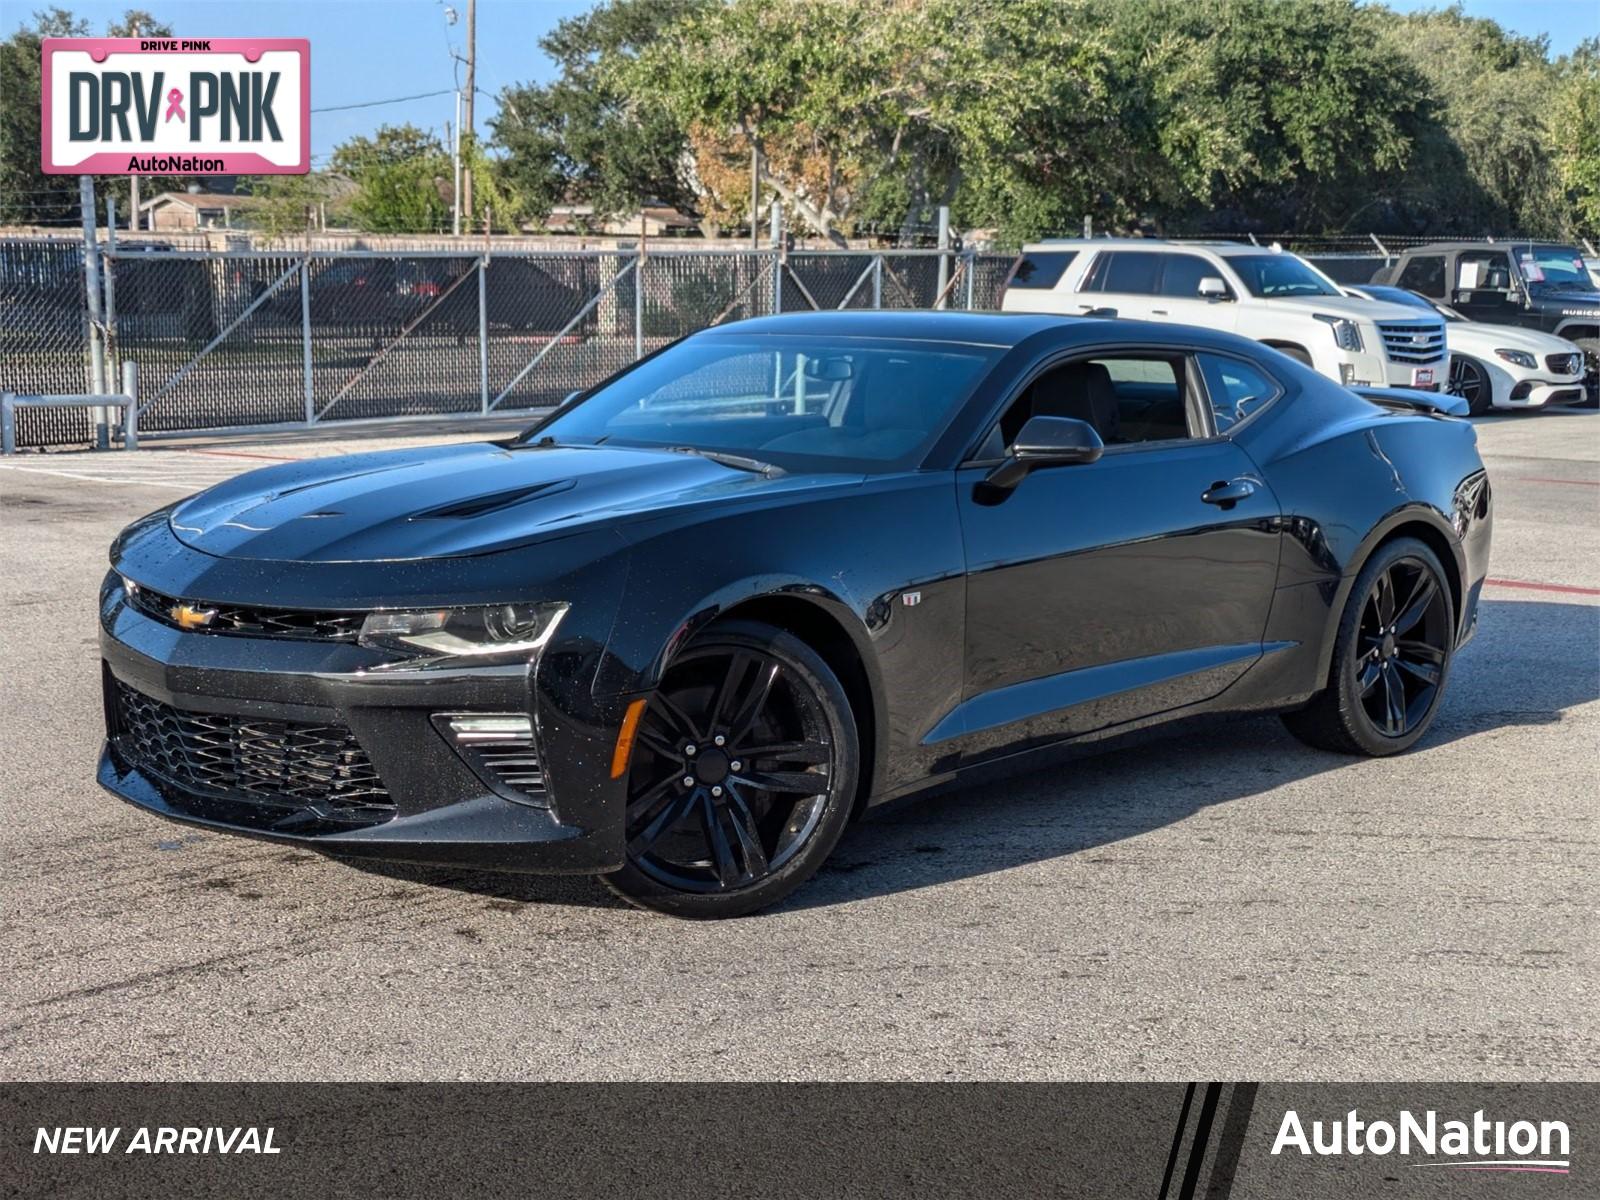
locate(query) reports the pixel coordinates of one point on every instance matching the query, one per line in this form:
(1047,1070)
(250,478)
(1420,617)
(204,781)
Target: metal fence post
(483,335)
(108,280)
(305,339)
(8,424)
(130,415)
(91,283)
(972,269)
(944,255)
(877,282)
(638,303)
(779,257)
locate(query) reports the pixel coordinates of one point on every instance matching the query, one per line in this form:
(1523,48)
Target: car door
(1123,282)
(1484,289)
(1178,300)
(1105,592)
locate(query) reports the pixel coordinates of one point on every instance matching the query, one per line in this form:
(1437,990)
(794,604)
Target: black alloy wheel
(1391,658)
(742,777)
(1470,382)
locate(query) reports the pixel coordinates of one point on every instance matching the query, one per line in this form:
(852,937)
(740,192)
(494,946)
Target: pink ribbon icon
(175,105)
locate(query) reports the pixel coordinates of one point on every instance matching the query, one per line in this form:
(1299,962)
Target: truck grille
(302,624)
(1412,341)
(1564,364)
(277,764)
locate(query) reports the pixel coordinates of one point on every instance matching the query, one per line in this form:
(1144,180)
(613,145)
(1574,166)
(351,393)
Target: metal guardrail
(127,400)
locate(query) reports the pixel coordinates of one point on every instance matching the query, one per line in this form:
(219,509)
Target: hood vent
(493,502)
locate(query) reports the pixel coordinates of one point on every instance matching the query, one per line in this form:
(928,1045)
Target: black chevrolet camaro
(683,629)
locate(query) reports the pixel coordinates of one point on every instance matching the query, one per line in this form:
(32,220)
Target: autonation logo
(1479,1144)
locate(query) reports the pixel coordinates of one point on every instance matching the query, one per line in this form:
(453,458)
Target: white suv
(1265,294)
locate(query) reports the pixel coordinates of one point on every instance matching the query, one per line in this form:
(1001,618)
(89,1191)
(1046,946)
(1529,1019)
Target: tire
(1591,376)
(1470,382)
(1368,667)
(705,838)
(1299,355)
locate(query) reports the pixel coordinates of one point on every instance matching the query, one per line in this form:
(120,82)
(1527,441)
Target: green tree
(389,146)
(581,138)
(1575,120)
(1484,162)
(27,195)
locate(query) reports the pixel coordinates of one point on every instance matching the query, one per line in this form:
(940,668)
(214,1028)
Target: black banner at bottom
(1215,1141)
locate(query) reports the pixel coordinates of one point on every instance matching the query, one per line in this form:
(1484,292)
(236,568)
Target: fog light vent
(500,748)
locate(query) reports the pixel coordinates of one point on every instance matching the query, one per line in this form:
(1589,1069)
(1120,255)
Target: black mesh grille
(302,624)
(280,764)
(1564,364)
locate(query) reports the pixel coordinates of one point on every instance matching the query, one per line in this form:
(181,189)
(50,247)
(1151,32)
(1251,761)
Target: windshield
(1280,275)
(1559,267)
(798,402)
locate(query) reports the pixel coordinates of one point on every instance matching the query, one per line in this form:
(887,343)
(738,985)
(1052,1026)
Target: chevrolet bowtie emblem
(189,617)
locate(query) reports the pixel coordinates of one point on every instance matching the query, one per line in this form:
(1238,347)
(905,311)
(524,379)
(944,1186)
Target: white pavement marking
(169,469)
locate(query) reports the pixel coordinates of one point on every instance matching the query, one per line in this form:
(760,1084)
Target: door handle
(1158,312)
(1227,492)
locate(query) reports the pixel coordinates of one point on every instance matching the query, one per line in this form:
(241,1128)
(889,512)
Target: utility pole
(455,166)
(465,117)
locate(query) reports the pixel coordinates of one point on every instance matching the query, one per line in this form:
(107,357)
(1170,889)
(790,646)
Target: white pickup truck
(1264,294)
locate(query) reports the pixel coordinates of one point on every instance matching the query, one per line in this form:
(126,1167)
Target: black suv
(1540,285)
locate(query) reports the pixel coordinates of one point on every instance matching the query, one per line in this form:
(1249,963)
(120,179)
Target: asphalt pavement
(1224,905)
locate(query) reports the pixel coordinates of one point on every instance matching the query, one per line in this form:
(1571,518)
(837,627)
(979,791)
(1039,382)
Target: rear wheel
(1296,353)
(1470,382)
(1591,371)
(1390,660)
(743,775)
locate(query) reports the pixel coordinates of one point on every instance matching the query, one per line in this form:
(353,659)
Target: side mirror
(569,398)
(1212,288)
(1046,442)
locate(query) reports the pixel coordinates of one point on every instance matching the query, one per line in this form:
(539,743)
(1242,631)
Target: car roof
(977,328)
(1223,248)
(1501,244)
(1003,330)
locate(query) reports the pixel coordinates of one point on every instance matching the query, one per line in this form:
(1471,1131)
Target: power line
(375,103)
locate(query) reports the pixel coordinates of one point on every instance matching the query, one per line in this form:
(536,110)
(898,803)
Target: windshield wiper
(737,461)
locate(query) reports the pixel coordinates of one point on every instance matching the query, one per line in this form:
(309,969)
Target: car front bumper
(1536,393)
(217,710)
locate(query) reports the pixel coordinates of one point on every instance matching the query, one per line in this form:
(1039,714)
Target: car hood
(1478,337)
(454,501)
(1354,308)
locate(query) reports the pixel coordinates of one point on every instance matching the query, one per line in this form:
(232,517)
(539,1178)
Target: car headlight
(494,634)
(1520,358)
(1346,333)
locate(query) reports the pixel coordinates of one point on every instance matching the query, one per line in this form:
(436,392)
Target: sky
(377,50)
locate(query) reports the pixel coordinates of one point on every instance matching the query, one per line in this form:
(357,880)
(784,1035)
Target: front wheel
(1390,659)
(743,775)
(1470,382)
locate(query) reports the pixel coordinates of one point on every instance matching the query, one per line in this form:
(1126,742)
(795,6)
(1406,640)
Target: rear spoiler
(1433,404)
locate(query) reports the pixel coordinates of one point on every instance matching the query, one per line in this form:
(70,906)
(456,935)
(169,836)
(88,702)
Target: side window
(1183,275)
(1040,269)
(1425,275)
(1130,272)
(1483,270)
(1128,398)
(1237,389)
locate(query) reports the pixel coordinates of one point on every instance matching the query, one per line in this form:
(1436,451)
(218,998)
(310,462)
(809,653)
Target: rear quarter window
(1041,269)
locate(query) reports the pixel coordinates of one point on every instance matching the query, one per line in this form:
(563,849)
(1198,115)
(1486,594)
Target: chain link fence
(237,339)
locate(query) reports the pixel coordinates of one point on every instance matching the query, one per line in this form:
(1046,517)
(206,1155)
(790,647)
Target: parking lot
(1232,903)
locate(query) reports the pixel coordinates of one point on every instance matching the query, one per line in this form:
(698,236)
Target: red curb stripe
(1543,587)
